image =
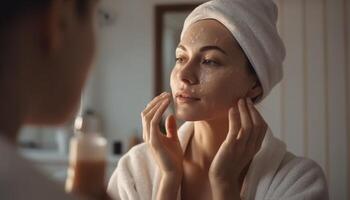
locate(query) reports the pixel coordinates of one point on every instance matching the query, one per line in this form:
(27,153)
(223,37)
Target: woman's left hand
(246,132)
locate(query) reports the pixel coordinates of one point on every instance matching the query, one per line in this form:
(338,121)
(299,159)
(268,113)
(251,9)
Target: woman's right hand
(166,148)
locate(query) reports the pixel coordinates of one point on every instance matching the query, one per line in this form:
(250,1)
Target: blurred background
(309,109)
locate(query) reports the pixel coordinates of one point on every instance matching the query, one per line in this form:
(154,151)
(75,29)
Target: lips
(185,97)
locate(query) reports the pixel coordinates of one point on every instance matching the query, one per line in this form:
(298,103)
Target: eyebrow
(205,48)
(181,47)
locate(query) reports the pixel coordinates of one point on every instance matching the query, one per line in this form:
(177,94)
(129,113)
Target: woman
(46,51)
(228,59)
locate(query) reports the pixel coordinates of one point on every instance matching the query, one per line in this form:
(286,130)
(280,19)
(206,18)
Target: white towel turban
(253,24)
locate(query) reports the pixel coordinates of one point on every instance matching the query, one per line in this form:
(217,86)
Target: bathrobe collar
(260,172)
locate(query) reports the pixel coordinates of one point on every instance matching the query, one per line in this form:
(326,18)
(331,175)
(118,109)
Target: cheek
(222,89)
(89,44)
(215,83)
(173,80)
(81,62)
(86,53)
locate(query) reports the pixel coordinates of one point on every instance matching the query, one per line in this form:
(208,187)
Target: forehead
(209,32)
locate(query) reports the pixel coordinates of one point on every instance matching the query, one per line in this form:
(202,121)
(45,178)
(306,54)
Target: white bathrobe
(274,174)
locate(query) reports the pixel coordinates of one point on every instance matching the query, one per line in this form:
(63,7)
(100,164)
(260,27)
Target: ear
(51,26)
(255,91)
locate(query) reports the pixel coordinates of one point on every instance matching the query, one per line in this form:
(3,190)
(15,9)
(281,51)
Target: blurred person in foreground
(46,51)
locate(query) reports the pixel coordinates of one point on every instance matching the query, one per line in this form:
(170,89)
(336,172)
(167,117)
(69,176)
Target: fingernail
(241,101)
(230,110)
(234,109)
(167,96)
(163,93)
(166,101)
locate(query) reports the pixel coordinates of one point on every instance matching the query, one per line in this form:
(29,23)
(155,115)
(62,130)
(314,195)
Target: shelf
(55,165)
(51,156)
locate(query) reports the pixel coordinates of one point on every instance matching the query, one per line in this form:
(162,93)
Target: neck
(16,60)
(9,123)
(207,139)
(10,107)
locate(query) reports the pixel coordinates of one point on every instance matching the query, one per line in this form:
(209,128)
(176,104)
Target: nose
(187,74)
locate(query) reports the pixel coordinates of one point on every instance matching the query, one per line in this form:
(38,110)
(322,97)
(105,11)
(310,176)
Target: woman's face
(210,73)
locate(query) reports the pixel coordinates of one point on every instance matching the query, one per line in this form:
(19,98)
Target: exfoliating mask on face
(211,68)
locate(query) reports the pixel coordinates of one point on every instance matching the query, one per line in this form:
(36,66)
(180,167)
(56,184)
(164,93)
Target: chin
(200,115)
(189,116)
(64,117)
(53,119)
(53,115)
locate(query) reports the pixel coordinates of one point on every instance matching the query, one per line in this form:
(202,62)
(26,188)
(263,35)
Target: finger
(144,131)
(234,121)
(246,122)
(149,107)
(154,102)
(171,128)
(259,125)
(256,120)
(146,119)
(154,126)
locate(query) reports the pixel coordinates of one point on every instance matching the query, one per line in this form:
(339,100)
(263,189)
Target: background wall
(122,81)
(310,108)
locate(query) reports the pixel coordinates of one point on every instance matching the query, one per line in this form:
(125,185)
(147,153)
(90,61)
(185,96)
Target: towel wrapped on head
(253,25)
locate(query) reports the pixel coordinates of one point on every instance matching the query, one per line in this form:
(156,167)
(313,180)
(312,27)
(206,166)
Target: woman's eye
(179,60)
(210,62)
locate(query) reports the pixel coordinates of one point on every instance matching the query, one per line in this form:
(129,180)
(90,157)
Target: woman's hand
(246,132)
(166,149)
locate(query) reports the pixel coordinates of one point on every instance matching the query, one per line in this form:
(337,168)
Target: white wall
(307,110)
(311,103)
(122,82)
